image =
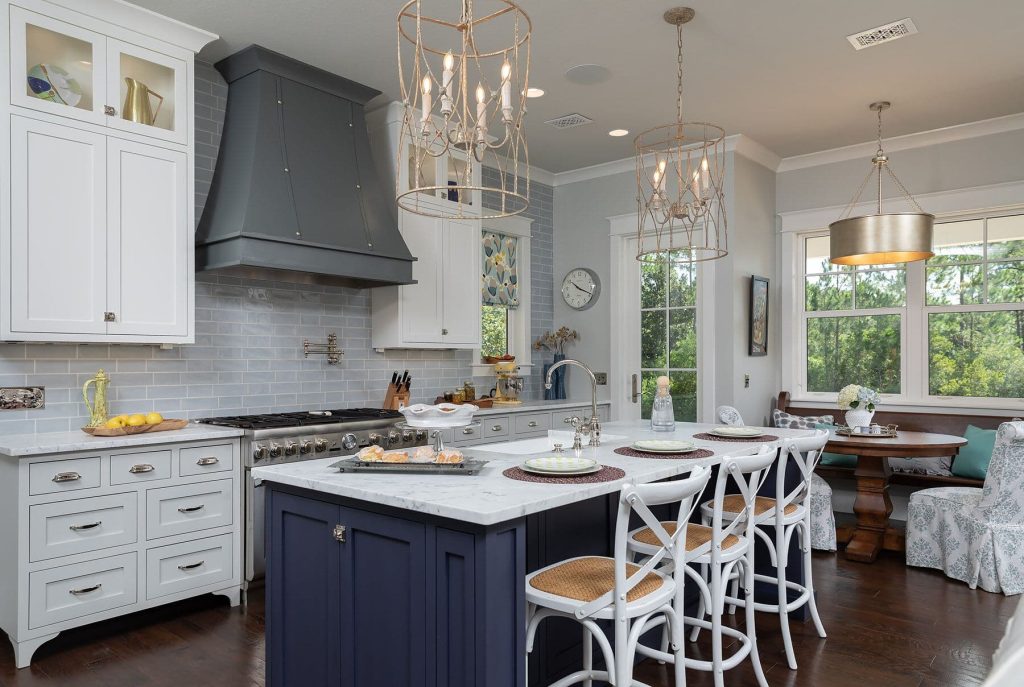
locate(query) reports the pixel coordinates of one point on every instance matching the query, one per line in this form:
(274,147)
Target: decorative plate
(561,465)
(50,82)
(663,446)
(730,431)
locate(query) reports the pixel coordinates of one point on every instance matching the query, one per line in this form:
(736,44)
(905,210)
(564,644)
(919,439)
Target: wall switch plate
(602,377)
(746,381)
(22,397)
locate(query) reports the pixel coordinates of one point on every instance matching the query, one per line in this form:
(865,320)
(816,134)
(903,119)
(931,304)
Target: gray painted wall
(248,352)
(581,239)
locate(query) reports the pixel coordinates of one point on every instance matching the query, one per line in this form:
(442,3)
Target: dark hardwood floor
(887,624)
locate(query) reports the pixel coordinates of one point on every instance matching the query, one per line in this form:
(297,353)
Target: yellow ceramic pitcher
(98,407)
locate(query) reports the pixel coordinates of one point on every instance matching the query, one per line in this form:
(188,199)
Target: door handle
(80,528)
(190,566)
(85,590)
(66,477)
(141,468)
(635,393)
(207,461)
(191,509)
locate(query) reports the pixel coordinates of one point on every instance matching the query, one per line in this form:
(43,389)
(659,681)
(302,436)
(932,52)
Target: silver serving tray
(888,432)
(469,466)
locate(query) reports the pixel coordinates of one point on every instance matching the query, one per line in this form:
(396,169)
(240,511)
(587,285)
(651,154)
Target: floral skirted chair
(823,519)
(976,535)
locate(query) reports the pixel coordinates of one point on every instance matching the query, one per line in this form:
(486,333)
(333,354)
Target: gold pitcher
(137,107)
(98,407)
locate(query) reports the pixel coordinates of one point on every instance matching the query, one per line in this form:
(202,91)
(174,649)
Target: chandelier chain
(679,74)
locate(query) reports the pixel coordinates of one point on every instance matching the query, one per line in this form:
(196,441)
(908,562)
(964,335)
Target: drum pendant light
(881,238)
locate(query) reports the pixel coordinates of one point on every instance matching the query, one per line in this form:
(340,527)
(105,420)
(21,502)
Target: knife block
(395,399)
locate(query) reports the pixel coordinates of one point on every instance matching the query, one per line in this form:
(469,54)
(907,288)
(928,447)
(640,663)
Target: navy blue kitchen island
(418,581)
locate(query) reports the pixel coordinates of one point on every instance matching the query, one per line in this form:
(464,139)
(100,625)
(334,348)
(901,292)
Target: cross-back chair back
(804,453)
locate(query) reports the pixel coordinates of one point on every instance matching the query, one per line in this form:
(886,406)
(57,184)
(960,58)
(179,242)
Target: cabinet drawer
(203,459)
(64,475)
(73,591)
(179,567)
(528,423)
(495,426)
(67,527)
(189,508)
(129,468)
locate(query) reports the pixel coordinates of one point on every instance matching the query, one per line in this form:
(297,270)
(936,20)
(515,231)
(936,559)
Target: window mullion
(915,345)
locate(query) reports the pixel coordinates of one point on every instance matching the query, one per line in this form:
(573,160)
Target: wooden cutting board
(164,426)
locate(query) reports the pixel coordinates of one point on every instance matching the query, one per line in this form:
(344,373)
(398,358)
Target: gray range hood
(295,195)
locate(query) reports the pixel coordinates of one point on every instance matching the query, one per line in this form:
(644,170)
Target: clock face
(580,288)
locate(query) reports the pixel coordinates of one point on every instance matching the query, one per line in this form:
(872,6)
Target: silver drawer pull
(141,468)
(190,566)
(468,430)
(80,528)
(66,477)
(532,423)
(191,509)
(85,590)
(208,461)
(495,428)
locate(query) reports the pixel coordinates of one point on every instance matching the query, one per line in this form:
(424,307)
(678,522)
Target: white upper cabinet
(99,200)
(442,309)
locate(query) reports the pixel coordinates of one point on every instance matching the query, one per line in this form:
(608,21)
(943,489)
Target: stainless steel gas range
(291,437)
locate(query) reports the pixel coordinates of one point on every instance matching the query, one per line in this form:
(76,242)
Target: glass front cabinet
(65,70)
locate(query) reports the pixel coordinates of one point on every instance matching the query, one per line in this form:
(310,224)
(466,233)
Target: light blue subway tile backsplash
(248,352)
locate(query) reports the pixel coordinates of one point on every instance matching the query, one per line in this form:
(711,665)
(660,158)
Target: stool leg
(623,668)
(780,575)
(717,609)
(679,644)
(588,656)
(748,583)
(734,593)
(701,606)
(809,579)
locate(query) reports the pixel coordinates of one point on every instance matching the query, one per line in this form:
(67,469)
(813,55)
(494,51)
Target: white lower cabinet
(91,536)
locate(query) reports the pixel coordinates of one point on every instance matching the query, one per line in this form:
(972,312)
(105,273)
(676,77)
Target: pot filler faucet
(591,428)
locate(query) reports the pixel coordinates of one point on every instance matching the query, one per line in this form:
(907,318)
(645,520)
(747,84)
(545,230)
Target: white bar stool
(787,516)
(724,546)
(592,588)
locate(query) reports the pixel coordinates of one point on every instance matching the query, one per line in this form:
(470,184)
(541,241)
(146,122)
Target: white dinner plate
(730,431)
(663,446)
(561,465)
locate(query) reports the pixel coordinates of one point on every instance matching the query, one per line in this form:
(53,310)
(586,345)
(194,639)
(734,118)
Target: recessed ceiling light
(618,132)
(534,92)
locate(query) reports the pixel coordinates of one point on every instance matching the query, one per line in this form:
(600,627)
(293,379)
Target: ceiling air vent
(882,34)
(569,121)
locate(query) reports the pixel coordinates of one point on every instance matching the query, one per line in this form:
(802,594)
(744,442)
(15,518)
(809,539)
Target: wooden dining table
(872,533)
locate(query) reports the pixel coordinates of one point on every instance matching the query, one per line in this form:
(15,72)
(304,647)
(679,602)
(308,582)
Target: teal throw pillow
(836,459)
(973,459)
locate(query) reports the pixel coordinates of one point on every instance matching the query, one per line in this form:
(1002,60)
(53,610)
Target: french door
(664,312)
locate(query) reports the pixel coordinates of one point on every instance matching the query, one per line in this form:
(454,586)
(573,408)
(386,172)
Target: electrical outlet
(746,381)
(602,377)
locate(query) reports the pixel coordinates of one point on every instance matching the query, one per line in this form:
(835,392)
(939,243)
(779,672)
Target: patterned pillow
(789,421)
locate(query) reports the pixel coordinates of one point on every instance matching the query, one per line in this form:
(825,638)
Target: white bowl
(440,415)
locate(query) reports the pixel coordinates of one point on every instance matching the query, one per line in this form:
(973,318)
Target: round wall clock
(580,288)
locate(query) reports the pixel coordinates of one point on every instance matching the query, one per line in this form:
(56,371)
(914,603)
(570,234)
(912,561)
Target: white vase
(858,417)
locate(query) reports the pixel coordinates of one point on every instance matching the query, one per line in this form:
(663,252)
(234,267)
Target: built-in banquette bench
(941,423)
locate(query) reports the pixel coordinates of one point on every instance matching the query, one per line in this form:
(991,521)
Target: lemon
(154,418)
(114,423)
(136,420)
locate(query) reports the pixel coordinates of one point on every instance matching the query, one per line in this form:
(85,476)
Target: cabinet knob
(468,430)
(533,423)
(444,332)
(495,428)
(109,317)
(110,111)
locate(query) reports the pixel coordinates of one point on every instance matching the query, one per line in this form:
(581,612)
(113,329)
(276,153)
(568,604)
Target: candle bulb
(695,186)
(506,90)
(446,82)
(660,176)
(705,174)
(425,87)
(481,112)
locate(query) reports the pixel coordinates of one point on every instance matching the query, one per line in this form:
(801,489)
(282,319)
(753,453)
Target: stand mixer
(510,384)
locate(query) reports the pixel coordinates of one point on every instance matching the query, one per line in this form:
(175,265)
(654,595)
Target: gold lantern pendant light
(464,68)
(680,174)
(881,238)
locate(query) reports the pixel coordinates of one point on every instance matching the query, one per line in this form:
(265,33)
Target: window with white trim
(948,328)
(505,292)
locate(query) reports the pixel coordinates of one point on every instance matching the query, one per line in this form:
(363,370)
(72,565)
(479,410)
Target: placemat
(605,474)
(714,437)
(633,453)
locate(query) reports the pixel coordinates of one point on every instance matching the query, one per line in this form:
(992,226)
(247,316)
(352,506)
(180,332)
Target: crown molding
(920,139)
(143,21)
(736,143)
(942,204)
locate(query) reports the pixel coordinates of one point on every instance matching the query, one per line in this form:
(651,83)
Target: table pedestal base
(873,508)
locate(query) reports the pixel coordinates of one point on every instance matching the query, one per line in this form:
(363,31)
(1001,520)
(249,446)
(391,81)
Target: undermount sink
(541,444)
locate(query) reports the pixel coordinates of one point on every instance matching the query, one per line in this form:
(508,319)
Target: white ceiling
(780,72)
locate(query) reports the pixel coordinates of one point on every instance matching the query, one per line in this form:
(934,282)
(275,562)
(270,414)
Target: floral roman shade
(499,283)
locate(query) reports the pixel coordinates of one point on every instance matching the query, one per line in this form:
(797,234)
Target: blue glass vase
(558,379)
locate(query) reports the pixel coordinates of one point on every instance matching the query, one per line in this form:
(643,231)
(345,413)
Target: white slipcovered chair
(976,535)
(823,519)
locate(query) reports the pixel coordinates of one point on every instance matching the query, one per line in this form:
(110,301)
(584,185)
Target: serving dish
(730,431)
(664,446)
(440,415)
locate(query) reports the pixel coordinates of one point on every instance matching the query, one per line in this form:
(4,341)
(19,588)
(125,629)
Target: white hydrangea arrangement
(854,396)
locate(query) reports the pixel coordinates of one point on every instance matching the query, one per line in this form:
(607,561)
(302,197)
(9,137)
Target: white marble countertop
(489,497)
(20,445)
(537,406)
